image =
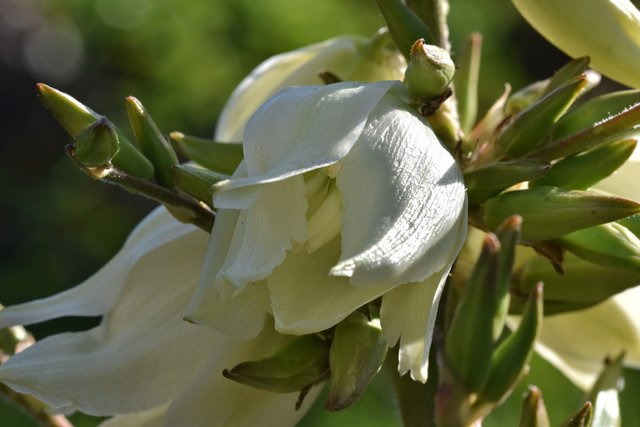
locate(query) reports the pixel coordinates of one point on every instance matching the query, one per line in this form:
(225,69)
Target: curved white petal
(624,181)
(215,401)
(349,57)
(305,299)
(298,130)
(142,354)
(151,418)
(97,295)
(606,30)
(407,229)
(578,342)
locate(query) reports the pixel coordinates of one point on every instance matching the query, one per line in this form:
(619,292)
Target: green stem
(434,14)
(415,400)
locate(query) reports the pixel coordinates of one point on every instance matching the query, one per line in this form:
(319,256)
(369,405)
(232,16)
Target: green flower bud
(429,72)
(549,212)
(583,417)
(534,413)
(604,394)
(73,116)
(617,128)
(594,111)
(528,129)
(220,157)
(583,170)
(470,339)
(153,144)
(295,367)
(196,181)
(97,144)
(404,25)
(490,180)
(609,245)
(357,353)
(466,82)
(510,360)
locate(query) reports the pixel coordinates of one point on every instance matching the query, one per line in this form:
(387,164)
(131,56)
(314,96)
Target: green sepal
(550,212)
(97,144)
(605,394)
(470,338)
(404,25)
(534,412)
(357,353)
(152,142)
(298,365)
(625,125)
(73,116)
(466,81)
(491,179)
(609,245)
(581,171)
(217,156)
(528,129)
(196,181)
(593,111)
(510,360)
(583,417)
(569,71)
(581,283)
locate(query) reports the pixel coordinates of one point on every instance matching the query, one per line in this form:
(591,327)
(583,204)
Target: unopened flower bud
(430,70)
(97,144)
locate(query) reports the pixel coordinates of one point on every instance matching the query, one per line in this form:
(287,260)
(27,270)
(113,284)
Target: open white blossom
(608,31)
(345,195)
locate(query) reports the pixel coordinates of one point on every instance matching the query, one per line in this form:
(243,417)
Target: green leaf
(219,157)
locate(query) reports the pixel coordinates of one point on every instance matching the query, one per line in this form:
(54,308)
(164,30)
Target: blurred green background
(182,60)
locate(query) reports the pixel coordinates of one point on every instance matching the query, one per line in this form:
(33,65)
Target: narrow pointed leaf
(583,170)
(404,25)
(469,342)
(508,234)
(569,71)
(73,116)
(219,157)
(153,144)
(610,245)
(357,353)
(529,128)
(523,98)
(466,81)
(492,179)
(298,365)
(595,111)
(549,212)
(583,417)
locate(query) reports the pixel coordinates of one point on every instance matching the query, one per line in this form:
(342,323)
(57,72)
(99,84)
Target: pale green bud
(96,145)
(429,72)
(534,413)
(223,158)
(196,181)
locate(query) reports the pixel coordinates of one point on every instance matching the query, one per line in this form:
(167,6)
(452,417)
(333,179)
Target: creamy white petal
(298,130)
(98,294)
(151,418)
(305,299)
(295,68)
(606,30)
(577,342)
(215,401)
(407,229)
(624,181)
(142,354)
(408,313)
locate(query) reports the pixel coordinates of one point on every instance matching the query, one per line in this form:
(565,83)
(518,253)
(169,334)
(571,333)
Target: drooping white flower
(608,31)
(345,195)
(143,358)
(353,58)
